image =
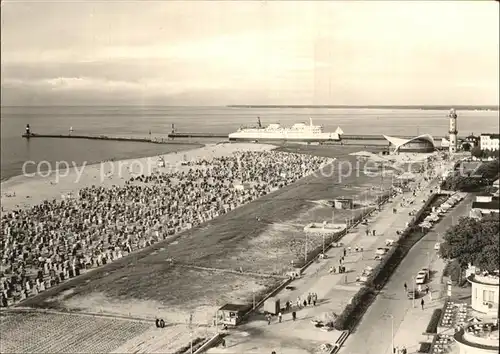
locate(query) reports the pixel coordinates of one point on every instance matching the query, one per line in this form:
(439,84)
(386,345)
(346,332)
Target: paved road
(373,335)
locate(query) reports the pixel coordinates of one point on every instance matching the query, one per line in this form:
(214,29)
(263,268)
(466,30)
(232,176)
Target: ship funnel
(339,131)
(310,121)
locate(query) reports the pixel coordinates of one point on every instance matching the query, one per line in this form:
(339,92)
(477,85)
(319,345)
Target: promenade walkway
(392,311)
(334,290)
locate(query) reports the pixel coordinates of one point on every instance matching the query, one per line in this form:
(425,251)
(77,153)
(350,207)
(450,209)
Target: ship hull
(280,139)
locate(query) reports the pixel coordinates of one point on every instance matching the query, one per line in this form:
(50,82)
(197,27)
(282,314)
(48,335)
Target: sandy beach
(26,191)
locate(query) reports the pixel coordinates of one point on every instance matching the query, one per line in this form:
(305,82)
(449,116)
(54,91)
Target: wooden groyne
(110,138)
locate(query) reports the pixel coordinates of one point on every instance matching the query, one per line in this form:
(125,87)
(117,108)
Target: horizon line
(373,106)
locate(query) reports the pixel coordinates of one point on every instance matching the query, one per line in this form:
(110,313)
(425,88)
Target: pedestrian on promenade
(294,315)
(309,298)
(345,252)
(367,232)
(268,316)
(314,301)
(305,303)
(403,351)
(223,342)
(406,287)
(373,232)
(422,303)
(280,317)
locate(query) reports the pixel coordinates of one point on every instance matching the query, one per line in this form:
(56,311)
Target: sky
(249,52)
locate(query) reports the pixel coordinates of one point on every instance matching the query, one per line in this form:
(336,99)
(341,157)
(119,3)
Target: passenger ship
(297,132)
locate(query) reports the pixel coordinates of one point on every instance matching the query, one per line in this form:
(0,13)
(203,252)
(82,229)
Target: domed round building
(478,338)
(485,293)
(422,143)
(481,337)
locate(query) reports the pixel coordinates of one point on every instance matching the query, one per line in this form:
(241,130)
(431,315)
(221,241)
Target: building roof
(493,205)
(234,307)
(484,279)
(472,136)
(399,142)
(492,135)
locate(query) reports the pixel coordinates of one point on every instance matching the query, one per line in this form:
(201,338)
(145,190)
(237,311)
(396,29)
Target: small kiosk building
(231,314)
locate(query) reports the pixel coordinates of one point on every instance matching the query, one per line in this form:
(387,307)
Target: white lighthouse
(453,131)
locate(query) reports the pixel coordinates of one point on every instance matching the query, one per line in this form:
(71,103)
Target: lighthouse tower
(453,131)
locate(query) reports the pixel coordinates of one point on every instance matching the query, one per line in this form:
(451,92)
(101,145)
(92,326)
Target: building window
(488,296)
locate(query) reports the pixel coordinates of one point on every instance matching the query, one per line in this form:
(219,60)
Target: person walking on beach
(294,315)
(422,303)
(305,303)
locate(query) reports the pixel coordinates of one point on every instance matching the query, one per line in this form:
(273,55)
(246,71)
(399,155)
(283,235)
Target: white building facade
(489,142)
(485,293)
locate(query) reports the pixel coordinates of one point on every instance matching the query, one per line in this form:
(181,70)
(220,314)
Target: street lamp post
(392,332)
(428,264)
(305,250)
(217,321)
(414,295)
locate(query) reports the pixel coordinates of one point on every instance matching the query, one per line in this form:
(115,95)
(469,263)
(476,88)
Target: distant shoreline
(424,108)
(403,107)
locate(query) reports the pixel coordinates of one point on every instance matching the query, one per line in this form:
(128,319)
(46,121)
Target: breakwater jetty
(193,135)
(110,138)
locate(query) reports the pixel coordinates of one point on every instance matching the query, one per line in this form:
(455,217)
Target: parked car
(421,277)
(381,251)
